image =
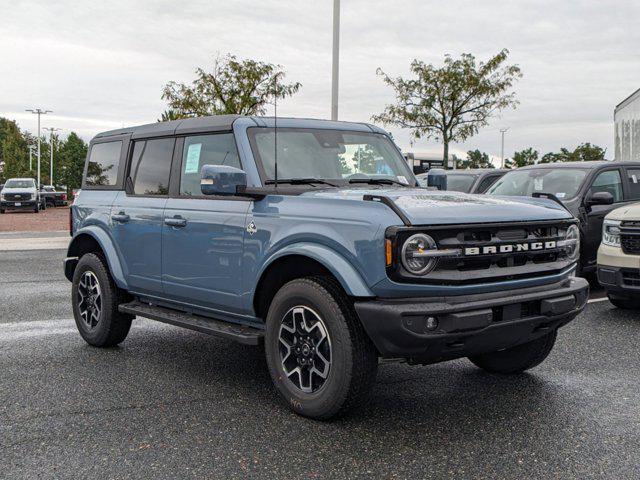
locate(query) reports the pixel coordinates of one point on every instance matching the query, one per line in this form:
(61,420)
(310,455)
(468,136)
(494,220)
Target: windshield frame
(8,183)
(586,171)
(341,182)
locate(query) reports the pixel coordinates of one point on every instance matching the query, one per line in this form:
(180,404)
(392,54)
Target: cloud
(102,65)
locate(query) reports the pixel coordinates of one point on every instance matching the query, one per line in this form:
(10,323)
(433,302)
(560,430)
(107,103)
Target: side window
(634,183)
(608,181)
(104,159)
(205,150)
(486,182)
(151,166)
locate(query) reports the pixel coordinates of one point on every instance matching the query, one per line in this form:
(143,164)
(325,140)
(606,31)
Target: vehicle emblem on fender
(251,228)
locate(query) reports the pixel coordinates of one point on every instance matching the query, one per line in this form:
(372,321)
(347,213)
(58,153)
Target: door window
(205,150)
(486,182)
(608,181)
(151,165)
(634,183)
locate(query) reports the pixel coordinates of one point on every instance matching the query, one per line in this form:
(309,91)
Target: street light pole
(51,130)
(39,112)
(31,147)
(336,60)
(502,131)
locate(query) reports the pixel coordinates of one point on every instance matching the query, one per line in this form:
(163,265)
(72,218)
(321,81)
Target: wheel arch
(94,240)
(303,260)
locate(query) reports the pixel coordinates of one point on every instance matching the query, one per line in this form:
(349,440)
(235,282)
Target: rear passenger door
(203,236)
(137,213)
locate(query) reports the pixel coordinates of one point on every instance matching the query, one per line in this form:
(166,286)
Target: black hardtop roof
(587,165)
(222,123)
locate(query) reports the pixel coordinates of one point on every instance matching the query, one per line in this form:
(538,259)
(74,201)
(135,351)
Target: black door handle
(176,222)
(120,217)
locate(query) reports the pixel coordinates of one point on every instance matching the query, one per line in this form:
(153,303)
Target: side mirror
(221,180)
(600,198)
(437,177)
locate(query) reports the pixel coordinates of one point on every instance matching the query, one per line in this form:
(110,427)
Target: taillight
(64,196)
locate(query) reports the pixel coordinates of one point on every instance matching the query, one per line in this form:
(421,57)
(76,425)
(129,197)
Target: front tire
(519,358)
(95,300)
(319,357)
(623,302)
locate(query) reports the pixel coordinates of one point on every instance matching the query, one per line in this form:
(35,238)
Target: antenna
(275,130)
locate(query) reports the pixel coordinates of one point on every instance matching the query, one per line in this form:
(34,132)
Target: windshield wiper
(378,181)
(300,181)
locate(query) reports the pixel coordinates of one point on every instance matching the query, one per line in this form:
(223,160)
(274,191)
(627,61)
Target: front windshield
(19,184)
(329,155)
(460,182)
(564,183)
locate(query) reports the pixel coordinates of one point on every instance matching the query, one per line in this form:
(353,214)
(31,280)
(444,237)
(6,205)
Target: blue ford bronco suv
(313,238)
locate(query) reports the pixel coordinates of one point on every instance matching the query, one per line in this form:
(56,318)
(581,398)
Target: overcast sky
(101,65)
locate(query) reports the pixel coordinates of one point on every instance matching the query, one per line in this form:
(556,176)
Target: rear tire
(36,209)
(519,358)
(335,360)
(95,300)
(624,302)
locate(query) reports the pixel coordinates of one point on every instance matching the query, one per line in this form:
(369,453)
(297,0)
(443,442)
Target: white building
(627,128)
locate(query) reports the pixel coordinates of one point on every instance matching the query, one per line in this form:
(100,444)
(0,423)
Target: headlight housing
(417,253)
(611,233)
(572,242)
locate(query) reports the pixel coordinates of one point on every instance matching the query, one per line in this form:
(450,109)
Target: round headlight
(414,254)
(573,242)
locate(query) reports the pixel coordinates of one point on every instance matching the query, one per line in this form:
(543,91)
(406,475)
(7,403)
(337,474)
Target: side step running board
(239,333)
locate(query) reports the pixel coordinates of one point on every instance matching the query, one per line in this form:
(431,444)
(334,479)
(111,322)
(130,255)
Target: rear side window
(205,150)
(102,170)
(151,166)
(634,182)
(486,182)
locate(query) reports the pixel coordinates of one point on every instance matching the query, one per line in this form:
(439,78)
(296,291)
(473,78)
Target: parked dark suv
(314,239)
(589,190)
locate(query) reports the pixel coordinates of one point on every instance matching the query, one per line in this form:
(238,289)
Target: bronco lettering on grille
(510,248)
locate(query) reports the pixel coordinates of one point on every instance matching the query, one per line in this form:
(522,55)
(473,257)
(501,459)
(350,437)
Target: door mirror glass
(600,198)
(221,180)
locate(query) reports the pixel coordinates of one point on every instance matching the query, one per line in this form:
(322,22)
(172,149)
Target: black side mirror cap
(599,198)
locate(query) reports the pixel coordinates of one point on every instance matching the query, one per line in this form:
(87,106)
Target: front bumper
(619,279)
(470,324)
(22,204)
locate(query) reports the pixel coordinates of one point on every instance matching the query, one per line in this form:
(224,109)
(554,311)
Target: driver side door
(604,181)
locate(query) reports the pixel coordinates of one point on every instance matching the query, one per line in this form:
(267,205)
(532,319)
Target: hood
(428,207)
(628,212)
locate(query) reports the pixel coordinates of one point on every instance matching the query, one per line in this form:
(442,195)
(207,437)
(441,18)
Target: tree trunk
(445,156)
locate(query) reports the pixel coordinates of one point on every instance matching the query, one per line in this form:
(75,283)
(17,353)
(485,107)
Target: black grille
(490,267)
(17,196)
(631,278)
(630,237)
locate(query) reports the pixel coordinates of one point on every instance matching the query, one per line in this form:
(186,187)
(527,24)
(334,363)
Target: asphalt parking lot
(171,403)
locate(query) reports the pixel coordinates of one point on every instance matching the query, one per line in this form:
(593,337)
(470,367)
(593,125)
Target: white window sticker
(402,179)
(537,184)
(193,158)
(634,178)
(561,194)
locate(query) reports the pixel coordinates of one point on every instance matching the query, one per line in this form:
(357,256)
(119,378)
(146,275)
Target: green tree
(476,159)
(13,150)
(522,158)
(450,103)
(242,87)
(584,152)
(72,155)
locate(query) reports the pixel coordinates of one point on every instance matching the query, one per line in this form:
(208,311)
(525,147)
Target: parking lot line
(34,243)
